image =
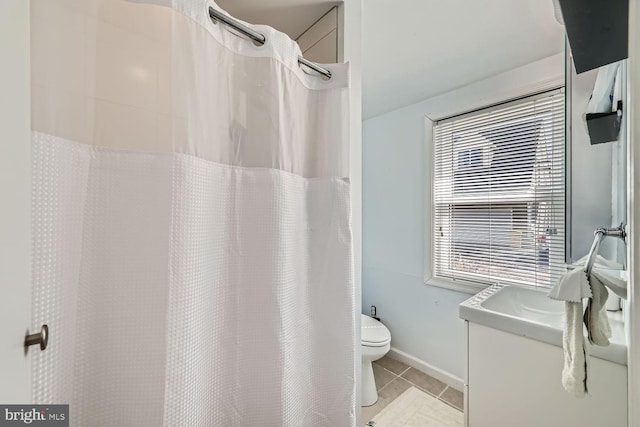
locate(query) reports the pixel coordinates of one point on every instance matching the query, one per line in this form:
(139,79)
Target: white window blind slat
(499,193)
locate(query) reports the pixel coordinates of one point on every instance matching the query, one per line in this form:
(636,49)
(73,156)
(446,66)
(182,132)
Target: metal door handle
(41,338)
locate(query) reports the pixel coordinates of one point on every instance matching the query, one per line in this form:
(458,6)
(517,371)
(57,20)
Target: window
(499,193)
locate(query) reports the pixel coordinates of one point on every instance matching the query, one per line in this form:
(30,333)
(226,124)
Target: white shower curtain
(191,221)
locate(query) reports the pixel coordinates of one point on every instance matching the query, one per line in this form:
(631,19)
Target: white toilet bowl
(375,343)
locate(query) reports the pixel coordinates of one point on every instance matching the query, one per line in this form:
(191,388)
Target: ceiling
(417,49)
(292,17)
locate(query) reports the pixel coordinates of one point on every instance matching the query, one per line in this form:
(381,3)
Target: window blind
(499,193)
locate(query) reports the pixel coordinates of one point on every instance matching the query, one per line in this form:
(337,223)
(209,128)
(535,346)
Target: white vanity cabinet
(515,381)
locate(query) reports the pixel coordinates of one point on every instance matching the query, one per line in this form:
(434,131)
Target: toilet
(375,343)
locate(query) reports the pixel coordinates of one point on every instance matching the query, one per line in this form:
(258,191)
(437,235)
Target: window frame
(462,285)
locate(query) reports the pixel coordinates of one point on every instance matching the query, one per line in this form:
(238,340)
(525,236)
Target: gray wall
(423,319)
(591,175)
(319,43)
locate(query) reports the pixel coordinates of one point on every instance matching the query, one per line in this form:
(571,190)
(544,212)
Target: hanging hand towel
(600,262)
(572,287)
(576,358)
(595,316)
(615,284)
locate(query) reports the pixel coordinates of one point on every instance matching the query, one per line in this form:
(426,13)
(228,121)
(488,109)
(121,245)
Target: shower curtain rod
(260,38)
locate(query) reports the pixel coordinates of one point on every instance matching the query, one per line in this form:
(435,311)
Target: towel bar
(599,236)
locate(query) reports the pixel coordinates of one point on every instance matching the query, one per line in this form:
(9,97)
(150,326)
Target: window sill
(455,285)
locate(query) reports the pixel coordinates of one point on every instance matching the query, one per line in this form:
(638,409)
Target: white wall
(15,193)
(423,319)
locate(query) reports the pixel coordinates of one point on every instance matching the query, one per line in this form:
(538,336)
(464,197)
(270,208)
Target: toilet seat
(374,333)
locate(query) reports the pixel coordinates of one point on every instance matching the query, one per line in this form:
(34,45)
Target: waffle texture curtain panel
(192,249)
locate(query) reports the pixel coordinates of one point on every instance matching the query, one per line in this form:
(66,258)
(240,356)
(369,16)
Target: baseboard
(420,365)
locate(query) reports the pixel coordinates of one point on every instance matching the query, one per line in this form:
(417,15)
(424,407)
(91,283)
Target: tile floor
(394,377)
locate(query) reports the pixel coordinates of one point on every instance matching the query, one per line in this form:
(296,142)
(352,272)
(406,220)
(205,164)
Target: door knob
(41,338)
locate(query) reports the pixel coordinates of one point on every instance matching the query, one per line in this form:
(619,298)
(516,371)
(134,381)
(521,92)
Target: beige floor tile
(392,365)
(382,376)
(386,395)
(415,408)
(424,381)
(394,389)
(453,397)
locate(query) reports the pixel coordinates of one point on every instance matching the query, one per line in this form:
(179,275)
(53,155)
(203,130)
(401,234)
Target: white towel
(595,316)
(617,285)
(576,358)
(599,262)
(572,286)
